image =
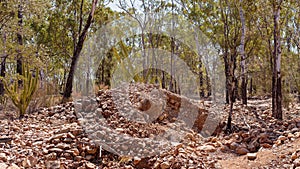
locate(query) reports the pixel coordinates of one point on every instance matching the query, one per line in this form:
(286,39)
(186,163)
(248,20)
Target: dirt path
(279,157)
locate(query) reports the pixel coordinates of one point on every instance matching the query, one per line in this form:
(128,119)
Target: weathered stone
(58,136)
(3,157)
(266,145)
(70,135)
(233,145)
(89,157)
(56,150)
(13,166)
(165,165)
(242,151)
(208,148)
(297,162)
(282,138)
(63,130)
(78,158)
(294,156)
(63,146)
(136,160)
(51,156)
(90,165)
(53,164)
(29,162)
(3,165)
(251,156)
(91,150)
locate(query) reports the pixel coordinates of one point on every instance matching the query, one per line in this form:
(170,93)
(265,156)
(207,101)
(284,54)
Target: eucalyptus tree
(17,36)
(82,33)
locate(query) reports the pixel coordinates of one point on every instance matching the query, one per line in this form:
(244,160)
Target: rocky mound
(141,126)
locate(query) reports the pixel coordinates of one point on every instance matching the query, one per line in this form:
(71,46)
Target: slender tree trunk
(20,41)
(69,84)
(227,76)
(163,80)
(171,87)
(208,85)
(277,94)
(145,70)
(251,86)
(201,92)
(3,64)
(243,57)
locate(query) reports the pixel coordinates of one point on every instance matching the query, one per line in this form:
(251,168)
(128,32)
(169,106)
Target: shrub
(22,95)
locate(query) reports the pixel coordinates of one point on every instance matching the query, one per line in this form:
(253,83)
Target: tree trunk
(276,88)
(163,80)
(243,57)
(208,85)
(3,64)
(251,86)
(201,92)
(20,41)
(76,54)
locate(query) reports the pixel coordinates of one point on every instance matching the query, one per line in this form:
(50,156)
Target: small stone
(242,151)
(63,146)
(297,162)
(282,138)
(3,157)
(233,145)
(58,136)
(55,141)
(63,130)
(75,151)
(51,156)
(136,160)
(89,157)
(278,142)
(181,150)
(53,164)
(294,156)
(207,148)
(128,167)
(265,145)
(165,165)
(67,156)
(76,132)
(37,143)
(3,165)
(190,136)
(282,156)
(57,150)
(90,165)
(78,158)
(251,156)
(45,151)
(214,139)
(290,135)
(124,148)
(13,166)
(68,140)
(91,150)
(70,135)
(224,148)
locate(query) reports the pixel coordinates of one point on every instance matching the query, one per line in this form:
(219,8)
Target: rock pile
(141,126)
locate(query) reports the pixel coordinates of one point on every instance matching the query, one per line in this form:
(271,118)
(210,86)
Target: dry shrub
(46,96)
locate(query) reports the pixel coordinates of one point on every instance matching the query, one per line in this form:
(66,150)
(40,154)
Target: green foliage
(3,101)
(21,96)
